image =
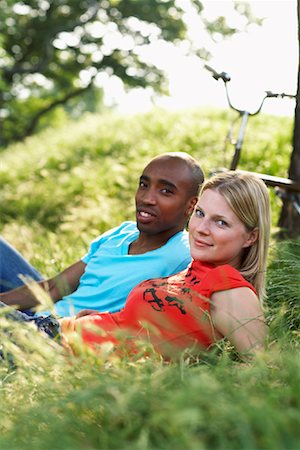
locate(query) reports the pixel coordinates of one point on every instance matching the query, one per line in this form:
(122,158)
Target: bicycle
(285,188)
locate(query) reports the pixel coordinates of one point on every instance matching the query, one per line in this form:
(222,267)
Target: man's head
(167,193)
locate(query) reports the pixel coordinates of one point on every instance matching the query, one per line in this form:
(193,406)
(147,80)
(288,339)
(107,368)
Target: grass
(64,187)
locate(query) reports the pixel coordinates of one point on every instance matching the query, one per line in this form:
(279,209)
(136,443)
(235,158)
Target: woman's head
(242,200)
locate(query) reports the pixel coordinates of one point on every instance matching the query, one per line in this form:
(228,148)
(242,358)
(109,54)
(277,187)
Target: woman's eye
(222,223)
(142,184)
(199,213)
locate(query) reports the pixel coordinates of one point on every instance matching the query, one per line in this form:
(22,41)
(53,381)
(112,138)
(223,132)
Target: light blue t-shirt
(111,272)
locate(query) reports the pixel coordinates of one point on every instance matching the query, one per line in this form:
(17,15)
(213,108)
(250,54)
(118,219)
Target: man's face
(163,202)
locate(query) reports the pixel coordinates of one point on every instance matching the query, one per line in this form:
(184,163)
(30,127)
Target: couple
(220,292)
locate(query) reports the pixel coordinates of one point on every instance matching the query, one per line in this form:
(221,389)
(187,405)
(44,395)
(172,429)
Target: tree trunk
(289,219)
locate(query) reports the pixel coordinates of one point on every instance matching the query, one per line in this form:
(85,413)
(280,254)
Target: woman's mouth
(201,243)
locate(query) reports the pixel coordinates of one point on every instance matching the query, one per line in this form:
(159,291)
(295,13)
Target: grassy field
(64,187)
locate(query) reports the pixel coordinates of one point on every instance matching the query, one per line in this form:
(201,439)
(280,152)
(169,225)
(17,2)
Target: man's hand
(86,312)
(63,284)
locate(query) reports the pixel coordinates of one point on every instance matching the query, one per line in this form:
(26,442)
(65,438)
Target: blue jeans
(12,264)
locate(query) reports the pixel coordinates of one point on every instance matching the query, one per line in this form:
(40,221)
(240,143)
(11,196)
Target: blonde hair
(248,197)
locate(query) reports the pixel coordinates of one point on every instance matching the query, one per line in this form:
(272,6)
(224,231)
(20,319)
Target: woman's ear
(252,238)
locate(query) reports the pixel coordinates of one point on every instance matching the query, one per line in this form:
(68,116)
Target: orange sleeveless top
(172,312)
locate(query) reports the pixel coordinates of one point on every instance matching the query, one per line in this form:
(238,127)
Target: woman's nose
(203,226)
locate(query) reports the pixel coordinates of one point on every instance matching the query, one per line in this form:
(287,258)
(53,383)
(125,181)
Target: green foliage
(65,177)
(53,401)
(283,288)
(47,47)
(62,188)
(52,52)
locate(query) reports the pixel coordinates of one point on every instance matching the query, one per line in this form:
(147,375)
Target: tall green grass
(64,187)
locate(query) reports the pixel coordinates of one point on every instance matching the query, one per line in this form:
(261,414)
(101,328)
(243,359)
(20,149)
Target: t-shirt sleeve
(223,278)
(185,261)
(178,253)
(95,244)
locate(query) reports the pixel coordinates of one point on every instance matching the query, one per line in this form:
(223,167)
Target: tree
(289,219)
(53,51)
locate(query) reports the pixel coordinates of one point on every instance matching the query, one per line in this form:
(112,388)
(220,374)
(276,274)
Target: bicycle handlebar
(282,95)
(216,75)
(225,77)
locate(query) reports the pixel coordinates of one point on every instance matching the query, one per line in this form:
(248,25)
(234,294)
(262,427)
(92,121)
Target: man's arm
(62,284)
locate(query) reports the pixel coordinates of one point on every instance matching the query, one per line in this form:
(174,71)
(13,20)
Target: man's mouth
(145,216)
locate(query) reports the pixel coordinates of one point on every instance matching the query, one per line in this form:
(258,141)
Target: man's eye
(166,191)
(142,184)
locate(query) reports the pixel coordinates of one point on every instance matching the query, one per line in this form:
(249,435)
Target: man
(156,245)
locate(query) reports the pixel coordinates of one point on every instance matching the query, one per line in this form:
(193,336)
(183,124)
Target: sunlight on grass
(64,187)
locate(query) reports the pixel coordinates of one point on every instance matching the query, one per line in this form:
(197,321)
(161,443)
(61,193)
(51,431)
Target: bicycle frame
(225,77)
(286,188)
(239,142)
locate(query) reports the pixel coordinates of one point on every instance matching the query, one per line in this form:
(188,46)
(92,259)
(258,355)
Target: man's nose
(149,196)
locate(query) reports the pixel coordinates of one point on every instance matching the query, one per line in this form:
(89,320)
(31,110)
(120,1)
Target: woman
(219,295)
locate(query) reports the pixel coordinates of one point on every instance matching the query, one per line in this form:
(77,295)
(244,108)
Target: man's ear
(252,238)
(191,205)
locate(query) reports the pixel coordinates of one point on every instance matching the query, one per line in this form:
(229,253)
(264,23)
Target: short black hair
(197,175)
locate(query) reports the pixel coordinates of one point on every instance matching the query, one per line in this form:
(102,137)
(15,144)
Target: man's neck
(147,243)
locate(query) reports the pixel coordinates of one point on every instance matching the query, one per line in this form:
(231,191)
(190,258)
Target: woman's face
(217,236)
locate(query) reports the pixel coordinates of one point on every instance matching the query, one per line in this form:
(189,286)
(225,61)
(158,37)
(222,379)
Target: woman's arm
(237,315)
